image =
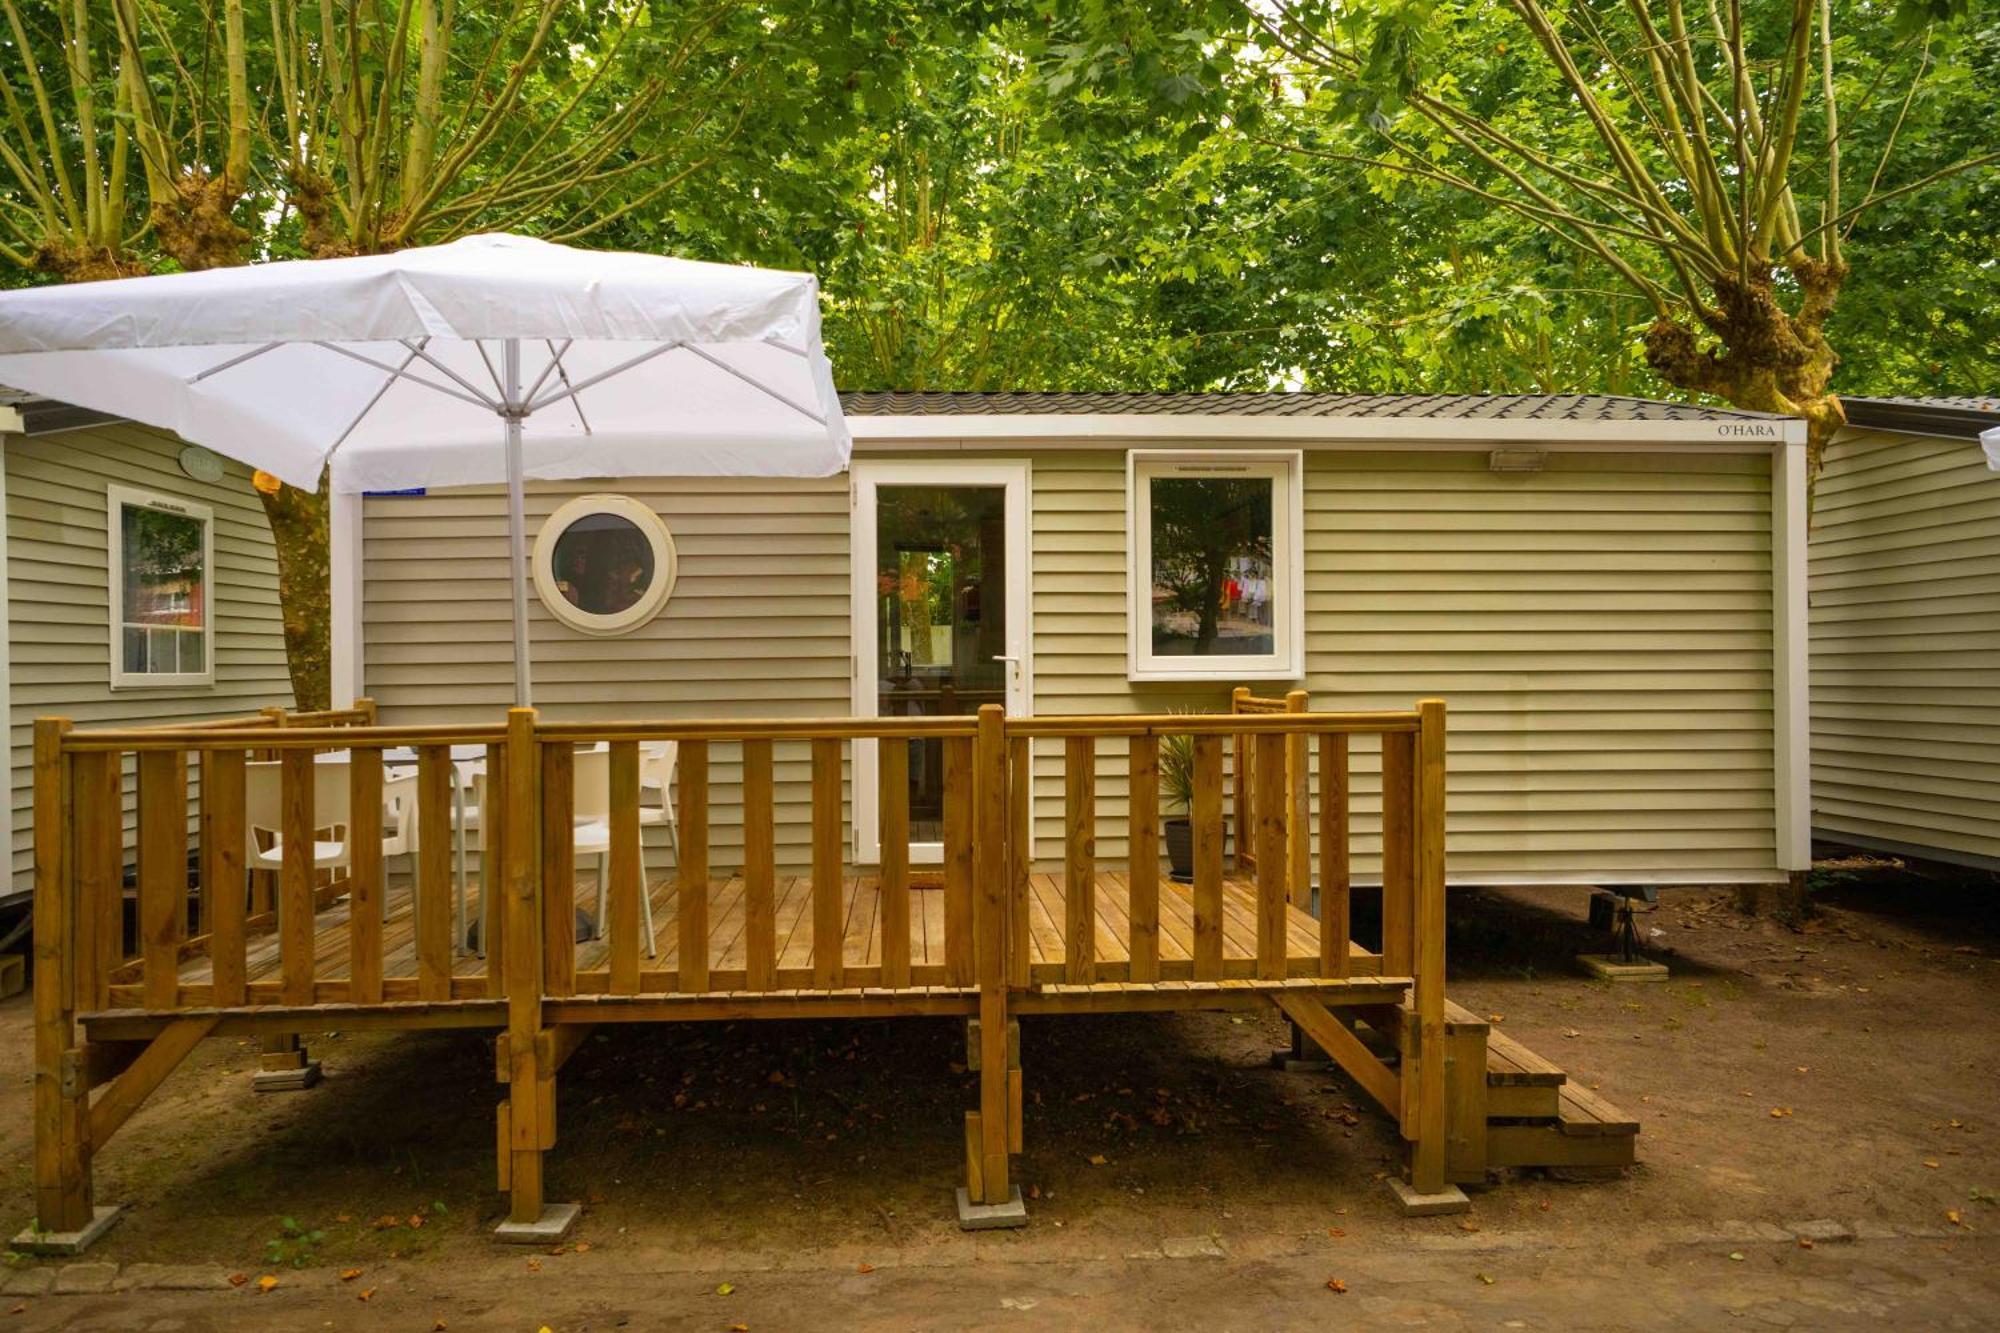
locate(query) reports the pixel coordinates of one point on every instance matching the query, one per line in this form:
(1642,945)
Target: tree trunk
(1769,359)
(1209,623)
(299,531)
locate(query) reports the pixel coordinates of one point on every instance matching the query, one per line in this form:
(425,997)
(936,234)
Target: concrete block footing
(1609,967)
(991,1216)
(1451,1199)
(296,1079)
(33,1241)
(555,1223)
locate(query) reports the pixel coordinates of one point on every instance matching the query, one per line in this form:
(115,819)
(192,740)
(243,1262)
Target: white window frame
(1286,468)
(117,498)
(666,564)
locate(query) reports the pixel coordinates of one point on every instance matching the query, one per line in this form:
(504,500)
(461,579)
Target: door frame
(1013,476)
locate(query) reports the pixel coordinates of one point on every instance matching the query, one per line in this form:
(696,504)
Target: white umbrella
(491,358)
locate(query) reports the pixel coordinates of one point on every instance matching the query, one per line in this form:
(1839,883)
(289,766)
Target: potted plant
(1177,786)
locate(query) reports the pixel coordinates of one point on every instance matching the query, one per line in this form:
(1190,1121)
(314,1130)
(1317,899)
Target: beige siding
(59,603)
(757,625)
(1600,630)
(1905,587)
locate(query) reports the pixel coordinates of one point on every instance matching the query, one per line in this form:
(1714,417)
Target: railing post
(1427,1166)
(527,1119)
(1298,823)
(987,1129)
(1246,850)
(62,1143)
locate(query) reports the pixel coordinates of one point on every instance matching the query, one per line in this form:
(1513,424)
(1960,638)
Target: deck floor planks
(792,915)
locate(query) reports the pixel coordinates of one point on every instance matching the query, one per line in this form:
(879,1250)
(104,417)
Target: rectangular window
(1216,573)
(162,561)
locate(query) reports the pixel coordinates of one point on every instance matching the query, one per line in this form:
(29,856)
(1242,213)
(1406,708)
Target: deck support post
(989,1199)
(1427,1191)
(66,1216)
(527,1119)
(284,1065)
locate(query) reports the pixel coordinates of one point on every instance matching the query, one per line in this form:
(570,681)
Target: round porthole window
(605,564)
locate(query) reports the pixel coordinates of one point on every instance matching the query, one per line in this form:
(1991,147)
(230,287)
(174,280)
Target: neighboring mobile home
(1905,609)
(140,583)
(1608,592)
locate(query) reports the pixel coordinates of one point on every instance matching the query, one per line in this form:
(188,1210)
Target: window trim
(1287,661)
(117,498)
(666,564)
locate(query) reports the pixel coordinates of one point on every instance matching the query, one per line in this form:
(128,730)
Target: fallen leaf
(1780,1112)
(343,1217)
(1335,1284)
(416,1219)
(1545,1205)
(1951,1216)
(22,1308)
(583,1247)
(366,1295)
(266,1282)
(1736,1255)
(1484,1278)
(724,1288)
(1467,1224)
(1805,1242)
(1931,1162)
(739,1328)
(534,1265)
(238,1279)
(437,1325)
(1496,1018)
(1335,1232)
(349,1274)
(864,1268)
(1096,1159)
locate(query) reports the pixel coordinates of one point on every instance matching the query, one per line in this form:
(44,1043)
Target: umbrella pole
(517,522)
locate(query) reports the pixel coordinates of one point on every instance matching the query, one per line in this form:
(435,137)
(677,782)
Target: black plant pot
(1180,850)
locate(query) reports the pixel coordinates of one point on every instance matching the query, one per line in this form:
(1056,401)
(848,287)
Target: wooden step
(1519,1083)
(1587,1132)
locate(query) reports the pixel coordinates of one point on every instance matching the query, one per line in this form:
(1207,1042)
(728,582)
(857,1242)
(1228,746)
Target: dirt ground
(1843,1072)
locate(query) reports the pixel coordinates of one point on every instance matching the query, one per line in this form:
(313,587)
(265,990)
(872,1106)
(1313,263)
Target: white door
(940,561)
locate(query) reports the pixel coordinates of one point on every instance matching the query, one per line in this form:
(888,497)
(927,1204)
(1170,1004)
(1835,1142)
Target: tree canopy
(1771,201)
(1033,195)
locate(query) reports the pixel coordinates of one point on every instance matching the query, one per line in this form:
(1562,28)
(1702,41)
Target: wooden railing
(81,854)
(399,940)
(354,934)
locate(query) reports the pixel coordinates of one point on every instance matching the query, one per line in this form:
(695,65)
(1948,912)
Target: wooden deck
(862,935)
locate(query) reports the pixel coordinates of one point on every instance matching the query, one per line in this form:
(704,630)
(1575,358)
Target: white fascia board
(974,431)
(11,422)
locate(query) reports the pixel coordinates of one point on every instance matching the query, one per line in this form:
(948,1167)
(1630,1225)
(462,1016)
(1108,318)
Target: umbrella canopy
(493,358)
(391,364)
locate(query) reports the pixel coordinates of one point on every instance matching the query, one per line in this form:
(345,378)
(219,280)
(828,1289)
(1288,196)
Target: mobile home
(1905,607)
(1608,592)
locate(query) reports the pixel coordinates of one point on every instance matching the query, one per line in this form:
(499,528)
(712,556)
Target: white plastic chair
(656,773)
(263,817)
(590,787)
